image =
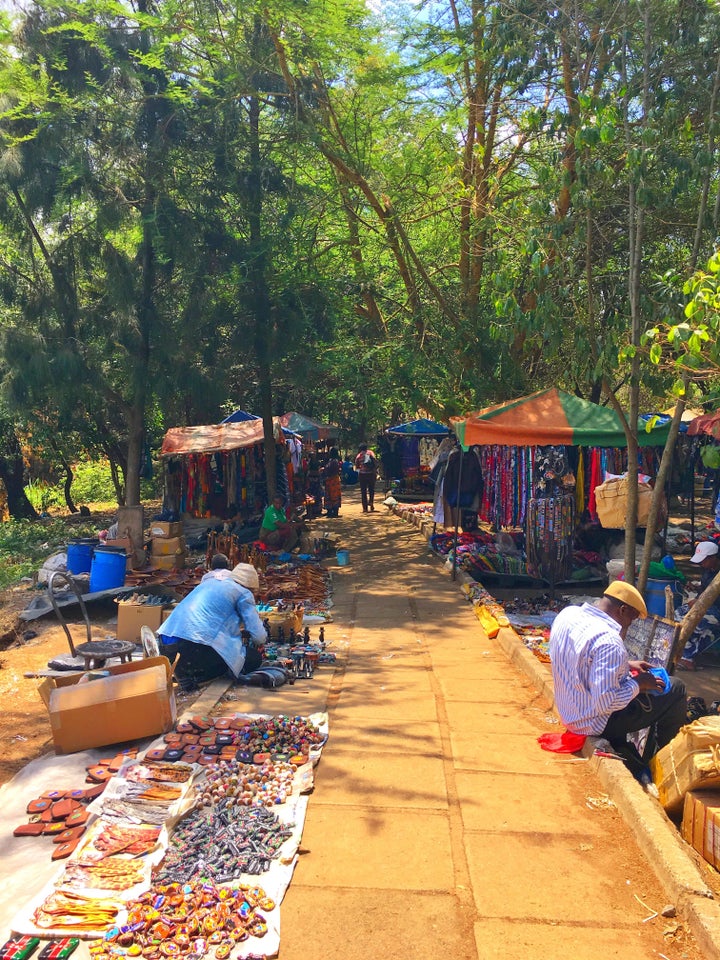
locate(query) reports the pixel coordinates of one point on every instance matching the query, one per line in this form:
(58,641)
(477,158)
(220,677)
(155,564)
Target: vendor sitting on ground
(599,691)
(206,627)
(276,531)
(707,632)
(219,568)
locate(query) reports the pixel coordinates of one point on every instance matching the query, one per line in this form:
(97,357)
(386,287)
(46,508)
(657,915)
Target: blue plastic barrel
(79,556)
(343,557)
(108,568)
(655,595)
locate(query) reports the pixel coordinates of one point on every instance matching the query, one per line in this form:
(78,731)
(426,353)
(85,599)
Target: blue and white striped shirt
(590,668)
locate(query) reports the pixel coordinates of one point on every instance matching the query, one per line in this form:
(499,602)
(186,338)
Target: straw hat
(619,590)
(246,575)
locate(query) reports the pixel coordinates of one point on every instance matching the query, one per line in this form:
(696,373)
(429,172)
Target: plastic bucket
(343,557)
(79,556)
(108,568)
(655,595)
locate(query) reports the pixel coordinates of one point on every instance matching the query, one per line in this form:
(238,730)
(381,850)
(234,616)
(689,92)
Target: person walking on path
(333,485)
(366,466)
(599,691)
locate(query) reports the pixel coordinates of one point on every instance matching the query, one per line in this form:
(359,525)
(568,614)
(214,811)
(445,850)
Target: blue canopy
(240,416)
(419,428)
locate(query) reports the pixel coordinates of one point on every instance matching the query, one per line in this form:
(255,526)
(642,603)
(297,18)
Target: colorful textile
(333,493)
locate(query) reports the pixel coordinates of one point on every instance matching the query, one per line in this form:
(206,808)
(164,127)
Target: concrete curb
(677,867)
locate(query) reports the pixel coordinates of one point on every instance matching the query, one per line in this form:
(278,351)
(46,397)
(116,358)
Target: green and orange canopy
(553,417)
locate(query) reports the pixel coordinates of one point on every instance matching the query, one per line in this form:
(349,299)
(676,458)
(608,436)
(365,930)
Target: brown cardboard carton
(123,542)
(164,546)
(689,762)
(701,824)
(133,616)
(175,561)
(160,528)
(135,701)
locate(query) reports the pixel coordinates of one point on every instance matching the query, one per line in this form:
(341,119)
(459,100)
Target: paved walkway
(438,828)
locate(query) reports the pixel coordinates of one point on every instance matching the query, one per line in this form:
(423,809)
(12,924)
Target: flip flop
(53,828)
(63,850)
(39,806)
(208,740)
(62,809)
(92,792)
(29,829)
(184,727)
(223,723)
(189,739)
(78,818)
(70,833)
(98,774)
(202,723)
(157,754)
(54,794)
(117,762)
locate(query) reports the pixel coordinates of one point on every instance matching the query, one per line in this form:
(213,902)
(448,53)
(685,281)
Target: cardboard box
(701,824)
(136,701)
(133,616)
(159,528)
(123,542)
(687,763)
(163,546)
(611,502)
(175,561)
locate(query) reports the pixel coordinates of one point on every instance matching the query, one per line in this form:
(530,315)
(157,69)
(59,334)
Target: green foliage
(24,544)
(92,483)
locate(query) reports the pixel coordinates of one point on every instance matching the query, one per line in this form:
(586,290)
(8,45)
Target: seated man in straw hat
(599,691)
(206,627)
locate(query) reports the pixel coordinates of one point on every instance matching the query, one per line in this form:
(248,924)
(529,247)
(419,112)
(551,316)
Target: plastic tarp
(708,423)
(553,417)
(213,438)
(419,428)
(307,428)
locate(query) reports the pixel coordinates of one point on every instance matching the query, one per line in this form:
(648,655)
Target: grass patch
(24,544)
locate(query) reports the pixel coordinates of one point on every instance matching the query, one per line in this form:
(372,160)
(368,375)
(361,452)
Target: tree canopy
(351,211)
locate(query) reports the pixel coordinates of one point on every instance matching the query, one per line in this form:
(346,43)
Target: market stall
(407,451)
(309,430)
(219,469)
(542,460)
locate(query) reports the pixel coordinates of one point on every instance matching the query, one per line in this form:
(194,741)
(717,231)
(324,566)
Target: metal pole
(457,515)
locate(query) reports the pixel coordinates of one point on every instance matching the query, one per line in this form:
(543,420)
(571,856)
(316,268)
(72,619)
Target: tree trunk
(658,493)
(67,484)
(12,475)
(698,610)
(136,436)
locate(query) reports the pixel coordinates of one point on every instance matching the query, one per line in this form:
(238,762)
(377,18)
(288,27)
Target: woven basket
(285,619)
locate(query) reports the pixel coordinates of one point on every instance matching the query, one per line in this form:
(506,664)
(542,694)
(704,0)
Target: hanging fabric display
(507,481)
(549,537)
